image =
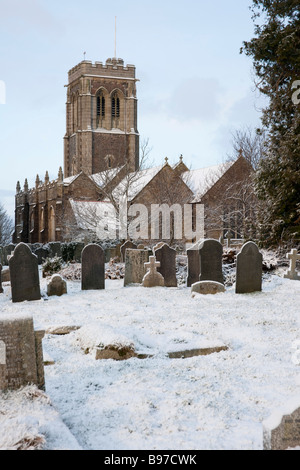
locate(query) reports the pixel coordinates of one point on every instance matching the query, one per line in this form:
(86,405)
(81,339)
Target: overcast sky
(195,87)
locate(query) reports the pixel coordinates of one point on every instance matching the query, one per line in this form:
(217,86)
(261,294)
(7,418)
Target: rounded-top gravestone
(93,267)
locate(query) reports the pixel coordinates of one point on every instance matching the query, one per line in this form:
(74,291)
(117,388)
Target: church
(102,164)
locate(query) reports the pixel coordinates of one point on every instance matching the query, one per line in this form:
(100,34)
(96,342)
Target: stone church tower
(101,114)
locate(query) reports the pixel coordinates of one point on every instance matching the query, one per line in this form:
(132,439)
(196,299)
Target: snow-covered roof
(134,183)
(201,180)
(70,179)
(102,178)
(89,213)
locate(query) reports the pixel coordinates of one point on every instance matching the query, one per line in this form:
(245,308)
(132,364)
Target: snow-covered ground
(217,401)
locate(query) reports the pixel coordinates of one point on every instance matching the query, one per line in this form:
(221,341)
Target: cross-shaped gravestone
(292,273)
(152,265)
(153,278)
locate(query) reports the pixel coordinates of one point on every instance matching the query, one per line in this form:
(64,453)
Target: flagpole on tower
(115,37)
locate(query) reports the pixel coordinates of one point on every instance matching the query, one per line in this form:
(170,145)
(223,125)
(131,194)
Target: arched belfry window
(100,108)
(115,109)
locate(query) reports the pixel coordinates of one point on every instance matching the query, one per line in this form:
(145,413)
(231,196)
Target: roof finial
(181,158)
(166,160)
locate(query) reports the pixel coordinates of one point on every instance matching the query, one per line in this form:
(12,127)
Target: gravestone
(93,267)
(248,269)
(167,258)
(153,278)
(292,273)
(210,253)
(193,265)
(54,249)
(207,287)
(21,353)
(1,288)
(57,286)
(157,246)
(7,251)
(79,246)
(42,253)
(127,244)
(24,275)
(282,430)
(135,266)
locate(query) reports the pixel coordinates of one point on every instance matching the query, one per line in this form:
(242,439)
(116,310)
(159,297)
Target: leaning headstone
(167,258)
(282,430)
(153,278)
(210,252)
(248,269)
(57,286)
(21,353)
(193,265)
(292,273)
(127,244)
(207,287)
(135,266)
(1,288)
(24,275)
(93,267)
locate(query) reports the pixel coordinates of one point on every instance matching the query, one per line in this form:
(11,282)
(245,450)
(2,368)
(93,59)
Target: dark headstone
(54,249)
(135,269)
(248,269)
(167,258)
(127,244)
(24,275)
(78,251)
(211,252)
(92,268)
(193,265)
(42,254)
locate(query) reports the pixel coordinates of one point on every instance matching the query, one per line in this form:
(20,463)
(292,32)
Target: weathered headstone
(54,249)
(282,430)
(1,288)
(292,273)
(57,286)
(79,246)
(127,244)
(207,287)
(135,266)
(193,265)
(21,353)
(248,269)
(210,252)
(24,275)
(42,253)
(7,251)
(93,267)
(167,258)
(153,278)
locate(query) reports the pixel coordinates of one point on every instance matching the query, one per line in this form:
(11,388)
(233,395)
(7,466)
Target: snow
(219,401)
(202,179)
